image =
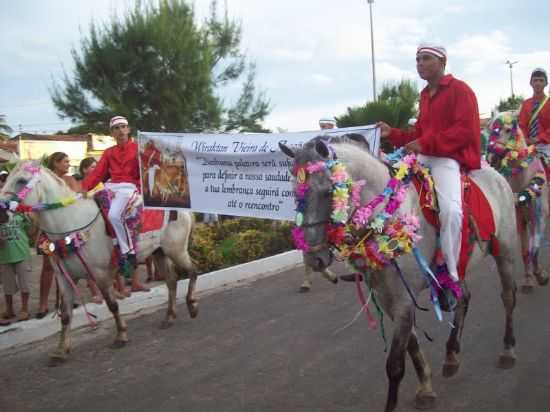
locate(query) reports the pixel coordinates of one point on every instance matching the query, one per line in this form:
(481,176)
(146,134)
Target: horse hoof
(450,369)
(425,401)
(542,278)
(193,311)
(335,280)
(527,289)
(56,359)
(118,344)
(166,324)
(506,362)
(304,289)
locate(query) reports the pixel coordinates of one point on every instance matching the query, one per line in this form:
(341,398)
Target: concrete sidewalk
(32,330)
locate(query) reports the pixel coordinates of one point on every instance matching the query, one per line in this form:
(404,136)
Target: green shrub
(238,240)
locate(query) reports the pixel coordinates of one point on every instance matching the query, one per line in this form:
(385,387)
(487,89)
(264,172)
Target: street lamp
(372,51)
(510,64)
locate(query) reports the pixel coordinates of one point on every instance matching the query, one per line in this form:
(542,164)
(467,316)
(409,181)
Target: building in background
(77,147)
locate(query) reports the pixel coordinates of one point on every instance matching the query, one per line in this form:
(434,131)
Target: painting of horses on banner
(164,176)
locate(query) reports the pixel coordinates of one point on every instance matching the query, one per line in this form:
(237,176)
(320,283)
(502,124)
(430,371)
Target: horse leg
(395,364)
(105,285)
(523,231)
(452,362)
(186,266)
(60,353)
(329,275)
(538,270)
(170,277)
(505,263)
(306,285)
(425,396)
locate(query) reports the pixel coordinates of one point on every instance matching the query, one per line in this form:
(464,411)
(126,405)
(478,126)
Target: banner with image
(228,174)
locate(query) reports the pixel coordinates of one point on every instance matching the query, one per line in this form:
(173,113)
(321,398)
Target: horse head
(30,184)
(313,189)
(315,169)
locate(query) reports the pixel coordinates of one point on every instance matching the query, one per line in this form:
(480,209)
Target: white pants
(151,178)
(446,176)
(122,194)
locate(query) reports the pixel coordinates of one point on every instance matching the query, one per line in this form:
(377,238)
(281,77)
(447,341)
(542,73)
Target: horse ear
(359,138)
(322,148)
(286,150)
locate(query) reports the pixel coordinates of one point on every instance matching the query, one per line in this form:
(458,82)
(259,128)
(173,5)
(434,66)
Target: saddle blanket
(476,211)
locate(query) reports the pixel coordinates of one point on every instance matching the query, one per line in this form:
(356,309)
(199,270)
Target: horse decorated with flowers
(353,204)
(509,154)
(77,242)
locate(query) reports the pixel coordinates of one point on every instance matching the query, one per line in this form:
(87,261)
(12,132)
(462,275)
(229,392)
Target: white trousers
(122,194)
(446,176)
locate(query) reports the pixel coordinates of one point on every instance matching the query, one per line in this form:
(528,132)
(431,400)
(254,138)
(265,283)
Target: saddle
(138,220)
(478,223)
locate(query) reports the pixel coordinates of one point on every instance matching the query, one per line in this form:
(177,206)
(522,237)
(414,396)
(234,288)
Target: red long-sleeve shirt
(447,125)
(118,163)
(543,135)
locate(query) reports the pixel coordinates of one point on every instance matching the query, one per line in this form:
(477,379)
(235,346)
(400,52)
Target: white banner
(228,174)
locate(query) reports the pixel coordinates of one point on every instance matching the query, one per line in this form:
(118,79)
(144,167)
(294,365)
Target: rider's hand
(385,129)
(413,146)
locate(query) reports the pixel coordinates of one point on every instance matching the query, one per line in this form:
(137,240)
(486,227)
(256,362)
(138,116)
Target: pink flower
(299,238)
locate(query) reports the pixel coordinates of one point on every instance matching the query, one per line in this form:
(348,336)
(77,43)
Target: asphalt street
(265,347)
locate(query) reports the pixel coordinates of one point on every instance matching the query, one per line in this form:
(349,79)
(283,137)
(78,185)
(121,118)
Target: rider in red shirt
(447,138)
(534,118)
(119,166)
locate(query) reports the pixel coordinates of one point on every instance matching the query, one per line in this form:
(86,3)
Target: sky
(313,57)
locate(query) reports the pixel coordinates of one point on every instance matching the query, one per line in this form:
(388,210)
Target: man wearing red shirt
(534,117)
(119,164)
(447,137)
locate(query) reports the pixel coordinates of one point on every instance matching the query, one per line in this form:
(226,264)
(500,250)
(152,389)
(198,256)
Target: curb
(37,329)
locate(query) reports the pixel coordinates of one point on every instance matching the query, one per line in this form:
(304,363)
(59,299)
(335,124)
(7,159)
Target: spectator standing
(15,262)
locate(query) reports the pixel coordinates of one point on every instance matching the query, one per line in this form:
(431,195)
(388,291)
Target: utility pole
(372,51)
(510,64)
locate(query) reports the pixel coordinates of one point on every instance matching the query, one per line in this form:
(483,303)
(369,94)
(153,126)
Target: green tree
(511,103)
(162,70)
(395,106)
(5,130)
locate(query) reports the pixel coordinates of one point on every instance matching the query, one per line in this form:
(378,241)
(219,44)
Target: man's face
(538,83)
(120,133)
(325,126)
(429,66)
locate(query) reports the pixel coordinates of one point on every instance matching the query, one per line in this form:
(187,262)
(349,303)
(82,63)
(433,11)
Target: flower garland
(388,234)
(513,150)
(343,189)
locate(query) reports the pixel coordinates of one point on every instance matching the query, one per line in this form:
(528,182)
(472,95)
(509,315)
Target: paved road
(264,347)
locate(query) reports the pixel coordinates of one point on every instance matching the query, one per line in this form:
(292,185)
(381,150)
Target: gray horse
(505,136)
(386,284)
(169,250)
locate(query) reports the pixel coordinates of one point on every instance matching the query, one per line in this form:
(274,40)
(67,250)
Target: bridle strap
(73,230)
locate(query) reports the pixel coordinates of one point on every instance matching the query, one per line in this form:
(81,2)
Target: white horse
(387,286)
(509,154)
(170,251)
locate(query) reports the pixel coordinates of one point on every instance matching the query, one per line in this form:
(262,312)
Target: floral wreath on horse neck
(384,235)
(511,150)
